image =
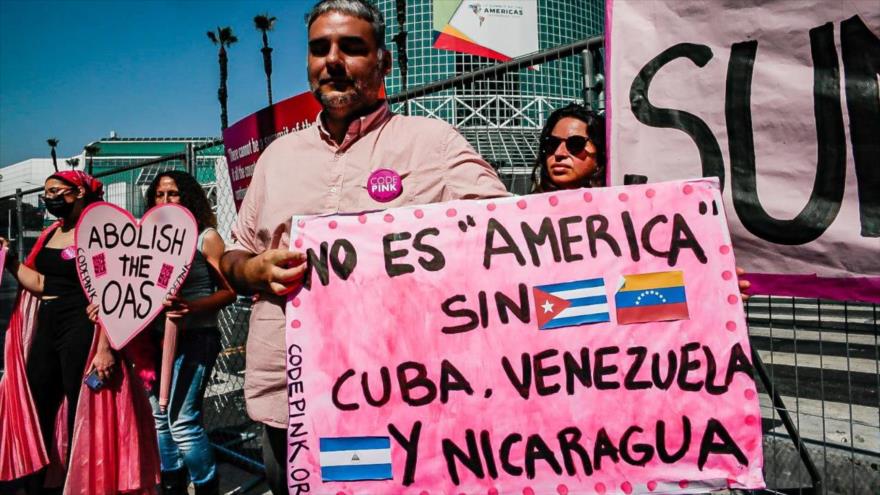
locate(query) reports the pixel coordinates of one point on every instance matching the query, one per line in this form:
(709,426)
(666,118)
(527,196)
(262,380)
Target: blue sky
(76,70)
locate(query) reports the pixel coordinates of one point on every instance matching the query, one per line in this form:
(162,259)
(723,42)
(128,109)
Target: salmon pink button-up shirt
(307,173)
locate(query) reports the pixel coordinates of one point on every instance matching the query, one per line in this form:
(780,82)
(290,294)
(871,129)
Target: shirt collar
(359,126)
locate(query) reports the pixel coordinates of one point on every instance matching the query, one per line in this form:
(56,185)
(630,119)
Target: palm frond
(264,22)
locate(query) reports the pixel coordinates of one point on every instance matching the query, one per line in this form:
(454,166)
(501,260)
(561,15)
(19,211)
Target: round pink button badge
(68,253)
(384,185)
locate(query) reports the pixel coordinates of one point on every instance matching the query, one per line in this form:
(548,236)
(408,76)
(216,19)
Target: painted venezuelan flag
(648,297)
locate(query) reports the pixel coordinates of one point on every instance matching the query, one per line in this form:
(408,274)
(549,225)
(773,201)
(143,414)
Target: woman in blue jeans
(183,444)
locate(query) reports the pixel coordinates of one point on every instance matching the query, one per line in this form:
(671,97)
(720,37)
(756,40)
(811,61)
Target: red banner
(246,139)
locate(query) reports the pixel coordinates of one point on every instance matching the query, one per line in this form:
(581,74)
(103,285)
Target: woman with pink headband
(51,346)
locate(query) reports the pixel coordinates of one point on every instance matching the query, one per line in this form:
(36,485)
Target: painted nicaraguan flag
(355,458)
(571,303)
(648,297)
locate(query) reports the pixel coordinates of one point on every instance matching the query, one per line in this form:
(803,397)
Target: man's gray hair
(361,9)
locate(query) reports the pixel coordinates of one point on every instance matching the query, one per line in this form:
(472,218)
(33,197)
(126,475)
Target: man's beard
(338,100)
(354,98)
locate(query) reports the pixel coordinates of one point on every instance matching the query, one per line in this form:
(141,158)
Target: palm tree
(53,142)
(223,38)
(265,23)
(91,150)
(72,162)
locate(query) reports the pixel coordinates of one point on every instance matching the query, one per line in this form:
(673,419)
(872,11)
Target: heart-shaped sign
(129,267)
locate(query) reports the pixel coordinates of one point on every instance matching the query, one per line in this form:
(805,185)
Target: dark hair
(541,181)
(361,9)
(192,197)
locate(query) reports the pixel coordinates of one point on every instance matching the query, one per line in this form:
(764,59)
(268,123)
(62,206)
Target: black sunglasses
(574,144)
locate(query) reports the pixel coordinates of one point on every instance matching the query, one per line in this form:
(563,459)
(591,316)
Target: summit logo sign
(482,11)
(495,29)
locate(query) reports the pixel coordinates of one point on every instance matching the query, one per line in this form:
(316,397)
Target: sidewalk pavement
(237,481)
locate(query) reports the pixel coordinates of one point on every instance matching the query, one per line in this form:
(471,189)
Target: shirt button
(333,189)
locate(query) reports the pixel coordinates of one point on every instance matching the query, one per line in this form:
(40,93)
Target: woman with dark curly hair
(571,153)
(183,443)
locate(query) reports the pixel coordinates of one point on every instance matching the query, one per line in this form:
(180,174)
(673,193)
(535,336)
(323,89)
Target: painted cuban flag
(571,303)
(645,297)
(355,458)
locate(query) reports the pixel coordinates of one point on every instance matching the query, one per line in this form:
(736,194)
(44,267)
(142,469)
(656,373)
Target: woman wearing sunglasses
(571,152)
(572,155)
(51,346)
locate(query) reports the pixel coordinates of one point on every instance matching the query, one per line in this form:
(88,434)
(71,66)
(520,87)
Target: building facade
(124,188)
(500,116)
(127,188)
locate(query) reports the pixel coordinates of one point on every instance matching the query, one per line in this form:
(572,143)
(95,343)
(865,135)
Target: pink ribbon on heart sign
(169,351)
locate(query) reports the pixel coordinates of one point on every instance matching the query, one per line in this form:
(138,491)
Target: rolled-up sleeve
(469,175)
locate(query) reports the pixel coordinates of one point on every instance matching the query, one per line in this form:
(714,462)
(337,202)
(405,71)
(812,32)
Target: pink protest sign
(129,267)
(778,99)
(587,341)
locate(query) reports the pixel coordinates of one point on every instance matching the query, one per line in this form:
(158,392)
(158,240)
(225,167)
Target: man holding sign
(358,157)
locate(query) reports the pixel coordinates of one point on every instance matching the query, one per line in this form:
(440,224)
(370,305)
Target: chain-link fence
(818,362)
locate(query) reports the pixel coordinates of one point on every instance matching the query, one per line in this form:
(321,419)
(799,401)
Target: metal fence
(817,362)
(822,361)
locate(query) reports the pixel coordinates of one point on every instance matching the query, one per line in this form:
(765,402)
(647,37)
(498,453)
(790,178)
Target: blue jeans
(182,437)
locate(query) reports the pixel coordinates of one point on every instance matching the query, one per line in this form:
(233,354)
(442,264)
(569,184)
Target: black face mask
(58,207)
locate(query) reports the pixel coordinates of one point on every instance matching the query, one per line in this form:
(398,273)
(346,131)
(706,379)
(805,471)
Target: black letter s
(690,124)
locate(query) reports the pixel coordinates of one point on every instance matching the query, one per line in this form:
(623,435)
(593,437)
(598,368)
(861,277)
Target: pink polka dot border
(553,200)
(521,204)
(650,193)
(362,219)
(490,206)
(388,218)
(295,324)
(451,212)
(419,214)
